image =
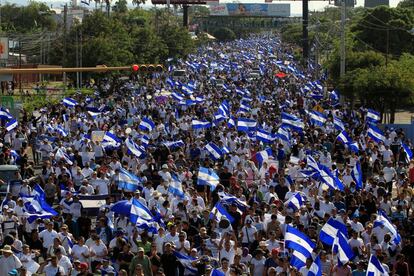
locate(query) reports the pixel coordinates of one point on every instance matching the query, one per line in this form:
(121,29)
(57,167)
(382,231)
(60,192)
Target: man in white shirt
(389,175)
(48,235)
(9,261)
(63,261)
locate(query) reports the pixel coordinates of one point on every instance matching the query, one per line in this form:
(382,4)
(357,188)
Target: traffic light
(147,68)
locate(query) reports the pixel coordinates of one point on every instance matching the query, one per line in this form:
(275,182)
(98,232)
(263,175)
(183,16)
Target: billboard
(375,3)
(4,48)
(242,9)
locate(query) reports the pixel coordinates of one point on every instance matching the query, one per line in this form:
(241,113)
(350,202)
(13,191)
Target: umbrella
(122,207)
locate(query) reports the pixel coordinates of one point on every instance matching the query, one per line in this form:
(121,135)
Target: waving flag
(216,272)
(36,207)
(231,122)
(208,177)
(316,267)
(376,134)
(317,118)
(264,136)
(139,213)
(295,202)
(246,125)
(111,140)
(4,114)
(224,109)
(200,124)
(176,187)
(12,124)
(61,155)
(283,134)
(244,108)
(263,155)
(134,148)
(375,268)
(214,151)
(383,220)
(408,152)
(174,144)
(219,212)
(229,199)
(146,124)
(329,179)
(61,131)
(338,124)
(330,231)
(373,115)
(186,261)
(69,102)
(301,245)
(354,147)
(177,96)
(342,249)
(291,121)
(128,181)
(344,138)
(356,174)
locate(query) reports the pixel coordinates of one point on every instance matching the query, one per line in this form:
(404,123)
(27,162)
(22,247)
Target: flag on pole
(219,212)
(375,268)
(330,230)
(208,177)
(301,245)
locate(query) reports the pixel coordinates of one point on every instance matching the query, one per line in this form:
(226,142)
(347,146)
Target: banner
(241,9)
(4,48)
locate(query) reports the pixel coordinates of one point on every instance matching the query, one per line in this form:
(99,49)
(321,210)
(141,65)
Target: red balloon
(135,67)
(280,75)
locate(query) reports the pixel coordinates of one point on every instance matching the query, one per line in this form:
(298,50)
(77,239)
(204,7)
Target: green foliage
(137,36)
(386,30)
(121,6)
(406,4)
(224,34)
(25,19)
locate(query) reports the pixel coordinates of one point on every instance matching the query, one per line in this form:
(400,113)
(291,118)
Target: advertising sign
(242,9)
(4,48)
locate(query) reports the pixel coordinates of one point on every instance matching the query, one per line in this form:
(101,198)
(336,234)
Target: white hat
(165,166)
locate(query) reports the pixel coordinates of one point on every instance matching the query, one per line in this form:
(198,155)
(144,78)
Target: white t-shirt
(99,251)
(250,231)
(259,265)
(186,246)
(228,254)
(64,262)
(48,237)
(50,270)
(77,251)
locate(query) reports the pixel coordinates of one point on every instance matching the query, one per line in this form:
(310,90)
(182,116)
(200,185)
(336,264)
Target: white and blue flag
(316,267)
(373,116)
(338,124)
(111,140)
(12,124)
(344,138)
(264,136)
(375,134)
(382,220)
(263,155)
(200,124)
(61,131)
(291,121)
(214,151)
(140,214)
(295,202)
(186,262)
(133,148)
(342,249)
(301,245)
(283,134)
(356,174)
(5,114)
(330,230)
(146,124)
(219,212)
(208,177)
(61,155)
(36,207)
(246,125)
(317,118)
(69,102)
(375,268)
(408,152)
(176,187)
(128,181)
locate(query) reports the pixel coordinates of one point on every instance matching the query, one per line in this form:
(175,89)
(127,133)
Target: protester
(247,164)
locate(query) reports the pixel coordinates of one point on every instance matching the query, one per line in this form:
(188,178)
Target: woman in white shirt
(98,251)
(257,264)
(80,251)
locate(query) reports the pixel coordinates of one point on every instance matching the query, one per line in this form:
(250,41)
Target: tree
(406,4)
(138,2)
(386,30)
(223,34)
(121,6)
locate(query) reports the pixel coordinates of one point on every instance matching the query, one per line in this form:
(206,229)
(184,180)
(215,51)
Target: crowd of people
(286,151)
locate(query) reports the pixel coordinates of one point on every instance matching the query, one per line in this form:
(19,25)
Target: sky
(295,6)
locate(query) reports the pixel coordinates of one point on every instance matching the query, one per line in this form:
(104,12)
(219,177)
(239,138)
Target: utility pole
(80,57)
(343,18)
(77,58)
(387,47)
(305,21)
(65,22)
